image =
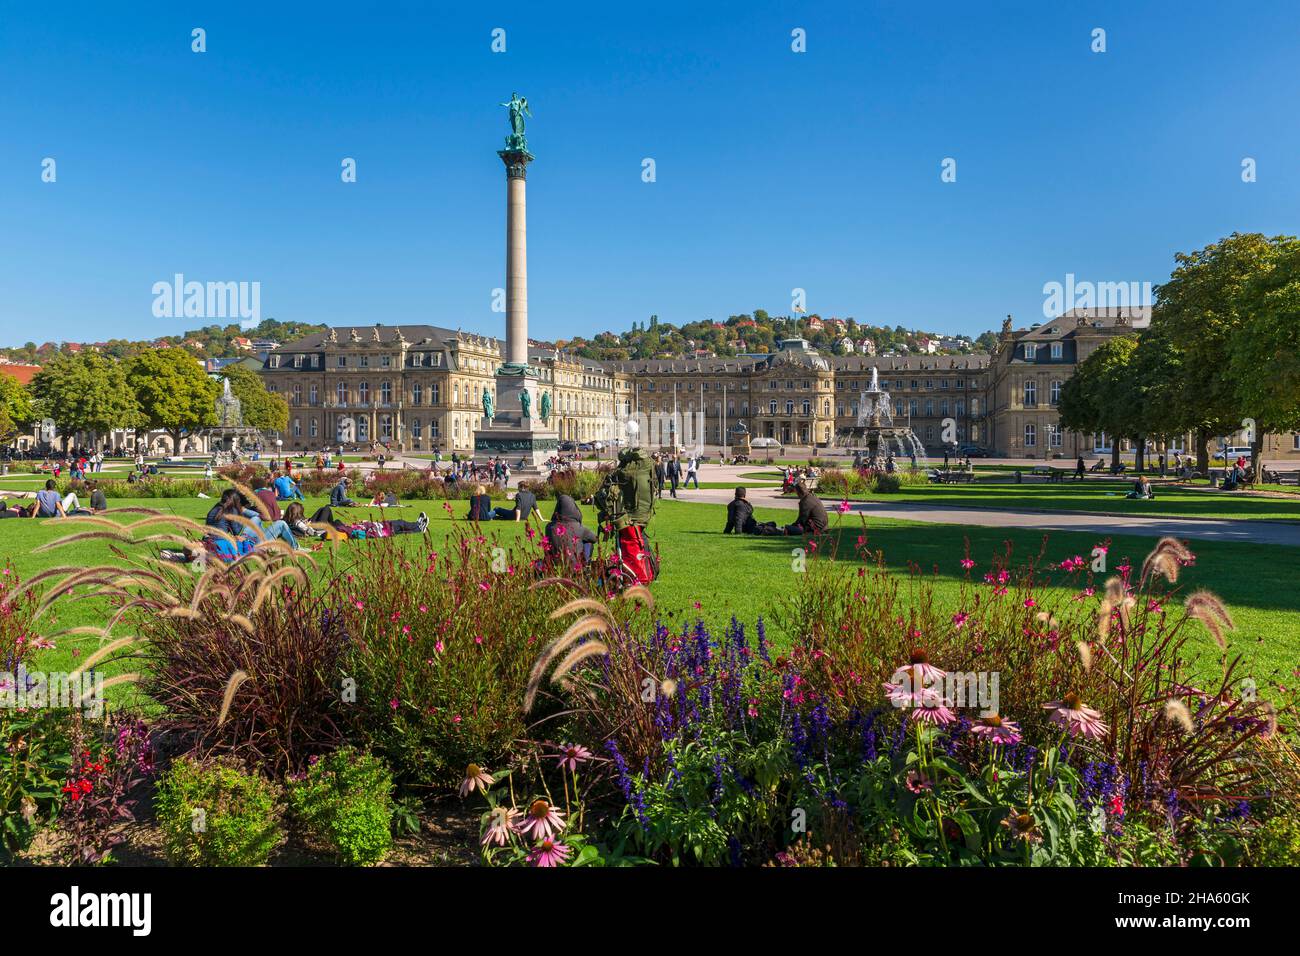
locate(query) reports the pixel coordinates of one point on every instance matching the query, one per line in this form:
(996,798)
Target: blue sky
(775,170)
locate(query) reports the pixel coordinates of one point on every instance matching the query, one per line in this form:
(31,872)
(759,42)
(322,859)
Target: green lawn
(744,576)
(1095,495)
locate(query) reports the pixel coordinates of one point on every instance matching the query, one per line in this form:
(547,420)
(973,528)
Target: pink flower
(573,754)
(1070,713)
(996,730)
(844,506)
(394,703)
(476,778)
(967,563)
(960,618)
(501,824)
(752,710)
(548,853)
(1030,602)
(542,820)
(439,646)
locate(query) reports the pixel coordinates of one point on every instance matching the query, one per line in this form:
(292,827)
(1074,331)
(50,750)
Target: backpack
(626,496)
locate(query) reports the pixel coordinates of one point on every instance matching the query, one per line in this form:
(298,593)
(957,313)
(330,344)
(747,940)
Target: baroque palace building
(419,388)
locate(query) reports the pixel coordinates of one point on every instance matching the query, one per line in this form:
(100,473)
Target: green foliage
(16,407)
(173,391)
(346,799)
(150,487)
(35,753)
(85,392)
(213,813)
(1277,841)
(260,408)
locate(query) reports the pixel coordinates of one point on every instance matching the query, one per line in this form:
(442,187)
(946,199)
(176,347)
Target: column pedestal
(513,436)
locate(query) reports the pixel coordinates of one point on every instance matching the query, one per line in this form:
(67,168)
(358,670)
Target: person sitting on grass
(385,499)
(286,489)
(812,513)
(225,515)
(339,494)
(568,539)
(1141,489)
(740,515)
(524,508)
(98,500)
(267,496)
(480,505)
(50,504)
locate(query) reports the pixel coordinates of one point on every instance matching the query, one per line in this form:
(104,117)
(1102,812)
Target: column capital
(516,161)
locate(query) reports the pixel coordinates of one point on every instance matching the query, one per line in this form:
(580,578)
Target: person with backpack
(568,539)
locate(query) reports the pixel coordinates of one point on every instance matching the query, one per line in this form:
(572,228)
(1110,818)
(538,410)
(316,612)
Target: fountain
(875,438)
(230,433)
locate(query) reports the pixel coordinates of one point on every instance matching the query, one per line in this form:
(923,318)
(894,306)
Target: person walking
(674,474)
(1079,469)
(693,472)
(660,476)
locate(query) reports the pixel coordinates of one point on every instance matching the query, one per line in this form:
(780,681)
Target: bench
(1048,472)
(1285,477)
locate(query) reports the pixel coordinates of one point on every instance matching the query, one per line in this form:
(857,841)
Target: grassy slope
(745,576)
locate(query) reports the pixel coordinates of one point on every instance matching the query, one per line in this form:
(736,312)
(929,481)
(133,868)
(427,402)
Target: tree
(1263,357)
(174,392)
(84,393)
(1104,395)
(1198,308)
(260,408)
(16,410)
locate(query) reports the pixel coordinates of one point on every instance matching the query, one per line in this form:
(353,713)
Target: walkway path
(1210,529)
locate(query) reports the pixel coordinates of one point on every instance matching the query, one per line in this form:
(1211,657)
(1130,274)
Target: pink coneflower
(1021,826)
(922,671)
(933,710)
(573,754)
(997,730)
(476,778)
(542,820)
(1069,712)
(548,853)
(500,825)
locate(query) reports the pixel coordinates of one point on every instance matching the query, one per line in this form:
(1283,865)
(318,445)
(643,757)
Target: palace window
(959,408)
(943,408)
(915,408)
(297,393)
(297,428)
(314,394)
(1031,394)
(417,430)
(1031,435)
(386,361)
(435,392)
(341,393)
(789,407)
(275,361)
(771,408)
(929,407)
(363,361)
(1054,436)
(363,428)
(417,393)
(297,361)
(806,408)
(363,392)
(1056,350)
(343,361)
(386,391)
(1031,351)
(1055,392)
(313,427)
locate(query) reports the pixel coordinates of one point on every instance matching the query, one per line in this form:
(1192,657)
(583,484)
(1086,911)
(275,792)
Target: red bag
(634,561)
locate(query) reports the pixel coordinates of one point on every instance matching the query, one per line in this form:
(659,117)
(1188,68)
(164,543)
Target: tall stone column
(516,255)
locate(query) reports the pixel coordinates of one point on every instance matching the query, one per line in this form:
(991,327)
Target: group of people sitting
(790,477)
(49,503)
(812,518)
(524,506)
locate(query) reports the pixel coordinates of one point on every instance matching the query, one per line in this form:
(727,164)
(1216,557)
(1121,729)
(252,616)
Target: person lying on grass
(324,518)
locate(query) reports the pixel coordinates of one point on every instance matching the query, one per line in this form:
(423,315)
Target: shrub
(250,664)
(213,813)
(839,483)
(1277,841)
(346,799)
(887,484)
(441,649)
(579,485)
(112,758)
(159,486)
(35,751)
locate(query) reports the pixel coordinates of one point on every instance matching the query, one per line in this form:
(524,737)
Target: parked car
(567,446)
(1234,452)
(586,446)
(972,451)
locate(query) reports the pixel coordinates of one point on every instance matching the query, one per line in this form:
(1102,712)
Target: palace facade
(419,388)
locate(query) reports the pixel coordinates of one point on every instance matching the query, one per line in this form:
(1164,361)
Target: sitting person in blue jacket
(286,489)
(339,494)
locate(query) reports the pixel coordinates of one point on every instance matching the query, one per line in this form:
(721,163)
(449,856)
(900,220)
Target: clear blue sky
(775,170)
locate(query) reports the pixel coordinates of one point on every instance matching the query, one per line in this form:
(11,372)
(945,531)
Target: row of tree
(90,394)
(210,341)
(1221,355)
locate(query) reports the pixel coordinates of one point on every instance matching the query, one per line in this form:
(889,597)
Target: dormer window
(1031,351)
(1056,350)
